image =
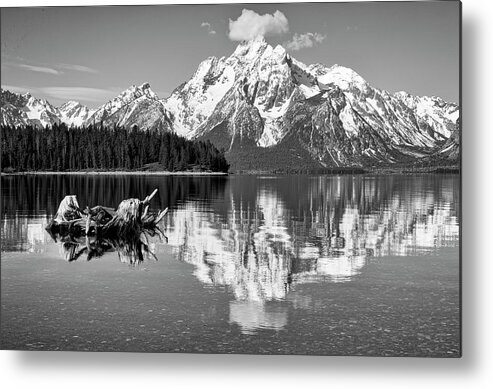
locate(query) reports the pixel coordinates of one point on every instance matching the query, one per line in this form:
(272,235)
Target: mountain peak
(70,103)
(145,85)
(134,92)
(73,113)
(280,50)
(251,48)
(259,39)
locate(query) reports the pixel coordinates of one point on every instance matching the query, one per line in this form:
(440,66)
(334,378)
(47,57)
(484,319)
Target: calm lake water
(326,265)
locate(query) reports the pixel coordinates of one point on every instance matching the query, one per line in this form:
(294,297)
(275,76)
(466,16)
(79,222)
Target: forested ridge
(95,147)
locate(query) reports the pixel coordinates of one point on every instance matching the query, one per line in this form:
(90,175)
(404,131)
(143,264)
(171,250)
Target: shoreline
(386,171)
(116,173)
(358,171)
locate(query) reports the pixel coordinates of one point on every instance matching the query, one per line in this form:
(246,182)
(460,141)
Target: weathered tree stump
(130,219)
(126,220)
(68,210)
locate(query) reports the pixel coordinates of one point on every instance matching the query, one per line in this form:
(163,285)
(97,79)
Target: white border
(474,370)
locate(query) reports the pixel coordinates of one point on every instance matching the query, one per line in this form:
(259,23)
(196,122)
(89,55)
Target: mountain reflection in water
(261,237)
(324,231)
(272,235)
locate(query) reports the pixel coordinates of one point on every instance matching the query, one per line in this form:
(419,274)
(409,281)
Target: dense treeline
(60,148)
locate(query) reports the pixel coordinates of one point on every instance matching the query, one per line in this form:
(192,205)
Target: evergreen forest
(63,148)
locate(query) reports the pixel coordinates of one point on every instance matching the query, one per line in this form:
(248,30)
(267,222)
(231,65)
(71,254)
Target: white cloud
(16,89)
(40,69)
(301,41)
(78,68)
(250,25)
(79,93)
(207,25)
(56,70)
(90,96)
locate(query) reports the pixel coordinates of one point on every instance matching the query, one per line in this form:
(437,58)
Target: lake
(301,264)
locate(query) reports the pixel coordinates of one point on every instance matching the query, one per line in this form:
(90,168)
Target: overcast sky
(91,54)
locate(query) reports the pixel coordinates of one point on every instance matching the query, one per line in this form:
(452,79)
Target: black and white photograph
(262,179)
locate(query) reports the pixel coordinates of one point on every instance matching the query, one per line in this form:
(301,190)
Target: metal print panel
(277,179)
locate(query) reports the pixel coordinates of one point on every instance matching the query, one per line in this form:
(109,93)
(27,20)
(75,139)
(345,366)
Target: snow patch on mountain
(195,100)
(41,112)
(348,121)
(343,77)
(123,100)
(23,110)
(248,51)
(74,113)
(432,112)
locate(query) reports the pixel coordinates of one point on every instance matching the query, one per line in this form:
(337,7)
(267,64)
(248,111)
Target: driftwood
(131,219)
(99,230)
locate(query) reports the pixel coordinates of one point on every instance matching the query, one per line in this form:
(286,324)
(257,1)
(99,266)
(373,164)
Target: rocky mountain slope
(136,106)
(74,113)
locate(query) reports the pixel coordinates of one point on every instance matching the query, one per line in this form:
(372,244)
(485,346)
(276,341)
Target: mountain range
(269,111)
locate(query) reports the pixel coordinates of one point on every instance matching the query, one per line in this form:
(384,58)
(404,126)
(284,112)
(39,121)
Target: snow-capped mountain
(262,98)
(247,91)
(21,110)
(269,110)
(136,106)
(25,109)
